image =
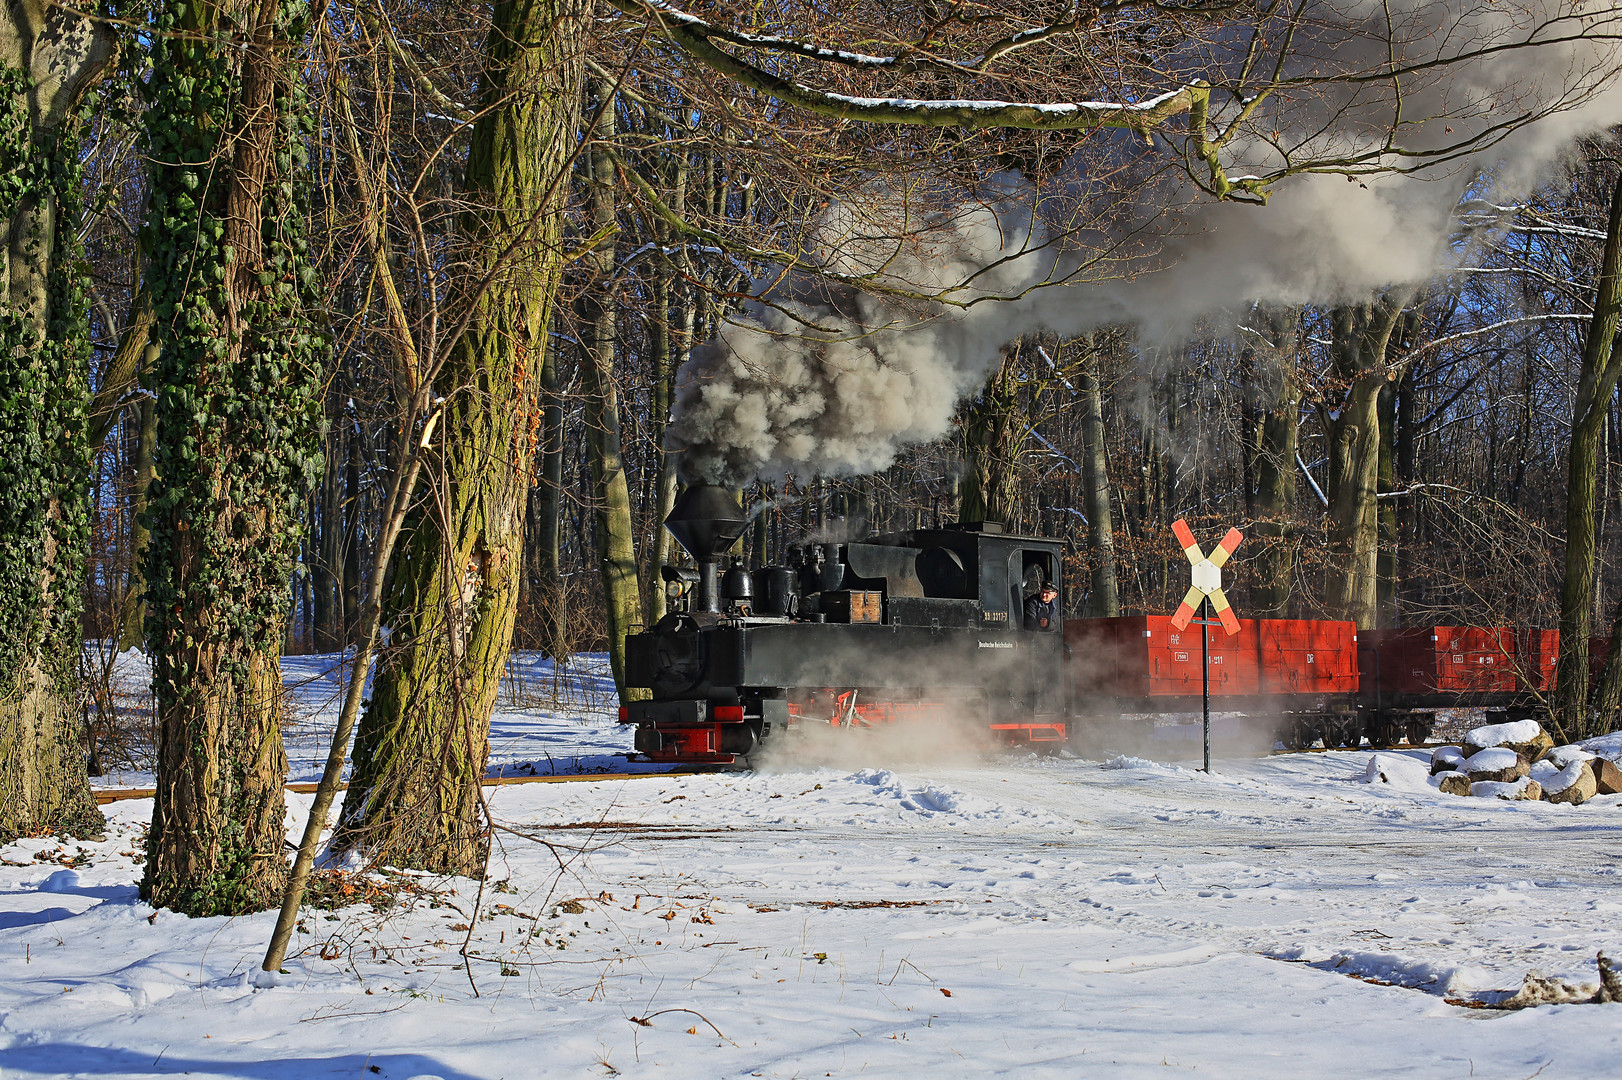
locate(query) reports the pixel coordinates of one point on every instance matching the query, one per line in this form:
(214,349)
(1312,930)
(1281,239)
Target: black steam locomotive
(923,625)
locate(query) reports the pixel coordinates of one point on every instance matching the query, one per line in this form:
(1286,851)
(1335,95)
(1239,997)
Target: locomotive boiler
(919,625)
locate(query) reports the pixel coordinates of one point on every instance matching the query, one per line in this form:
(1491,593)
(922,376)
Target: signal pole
(1205,591)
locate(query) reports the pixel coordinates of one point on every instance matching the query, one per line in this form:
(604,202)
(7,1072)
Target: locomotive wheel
(1418,732)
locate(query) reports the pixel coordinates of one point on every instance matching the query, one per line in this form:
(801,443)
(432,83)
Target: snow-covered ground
(1019,916)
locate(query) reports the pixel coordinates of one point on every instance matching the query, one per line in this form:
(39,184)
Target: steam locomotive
(928,625)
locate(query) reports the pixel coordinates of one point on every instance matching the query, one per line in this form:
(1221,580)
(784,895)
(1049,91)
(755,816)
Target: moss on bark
(422,744)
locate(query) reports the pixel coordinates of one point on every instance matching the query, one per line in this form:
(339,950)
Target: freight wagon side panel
(1174,659)
(1307,656)
(1475,659)
(1396,661)
(1144,656)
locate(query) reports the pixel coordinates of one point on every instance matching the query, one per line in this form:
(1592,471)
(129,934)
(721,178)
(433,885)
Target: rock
(1499,765)
(1522,790)
(1526,737)
(1607,777)
(1454,783)
(1446,759)
(1565,755)
(1575,784)
(1403,771)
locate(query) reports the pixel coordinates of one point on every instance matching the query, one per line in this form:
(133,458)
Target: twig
(647,1021)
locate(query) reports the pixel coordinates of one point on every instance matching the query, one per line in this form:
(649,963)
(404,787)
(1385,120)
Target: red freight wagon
(1537,654)
(1144,656)
(1423,660)
(1307,656)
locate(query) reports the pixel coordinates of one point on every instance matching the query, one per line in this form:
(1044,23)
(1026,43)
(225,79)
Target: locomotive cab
(924,626)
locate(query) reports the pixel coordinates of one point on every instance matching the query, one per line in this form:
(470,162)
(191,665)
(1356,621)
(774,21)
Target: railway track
(1330,749)
(112,795)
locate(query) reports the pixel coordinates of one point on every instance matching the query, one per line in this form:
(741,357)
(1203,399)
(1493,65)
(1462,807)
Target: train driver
(1042,610)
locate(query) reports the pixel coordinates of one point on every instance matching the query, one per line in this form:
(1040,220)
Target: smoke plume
(835,377)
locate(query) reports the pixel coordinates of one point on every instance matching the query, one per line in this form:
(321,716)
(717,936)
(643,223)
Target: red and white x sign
(1207,577)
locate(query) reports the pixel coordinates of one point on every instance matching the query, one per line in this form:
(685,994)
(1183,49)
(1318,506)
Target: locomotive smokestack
(706,520)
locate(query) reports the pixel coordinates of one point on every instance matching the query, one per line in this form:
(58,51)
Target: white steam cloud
(824,379)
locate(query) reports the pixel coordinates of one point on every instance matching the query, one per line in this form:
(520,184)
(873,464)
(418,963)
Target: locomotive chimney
(707,521)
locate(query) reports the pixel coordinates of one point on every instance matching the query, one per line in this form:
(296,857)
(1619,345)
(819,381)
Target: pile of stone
(1519,760)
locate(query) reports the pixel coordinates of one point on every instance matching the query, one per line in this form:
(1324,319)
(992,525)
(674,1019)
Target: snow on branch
(904,62)
(1465,335)
(694,36)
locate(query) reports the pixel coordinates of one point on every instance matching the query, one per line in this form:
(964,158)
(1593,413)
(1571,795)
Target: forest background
(361,327)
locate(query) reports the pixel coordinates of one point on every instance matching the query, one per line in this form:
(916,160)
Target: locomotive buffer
(1206,589)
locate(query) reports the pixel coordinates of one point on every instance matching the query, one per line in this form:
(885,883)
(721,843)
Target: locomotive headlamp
(678,580)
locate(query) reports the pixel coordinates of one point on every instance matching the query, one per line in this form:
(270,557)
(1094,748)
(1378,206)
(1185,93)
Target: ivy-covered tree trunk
(236,377)
(422,744)
(47,60)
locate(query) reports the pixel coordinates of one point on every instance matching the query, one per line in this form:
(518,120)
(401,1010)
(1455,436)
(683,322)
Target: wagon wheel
(1418,732)
(1393,731)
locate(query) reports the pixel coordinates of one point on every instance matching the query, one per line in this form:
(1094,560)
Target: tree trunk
(599,332)
(132,622)
(991,439)
(1274,421)
(1105,601)
(123,371)
(323,580)
(1361,334)
(48,57)
(237,378)
(548,578)
(353,515)
(1386,510)
(680,340)
(421,748)
(1601,366)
